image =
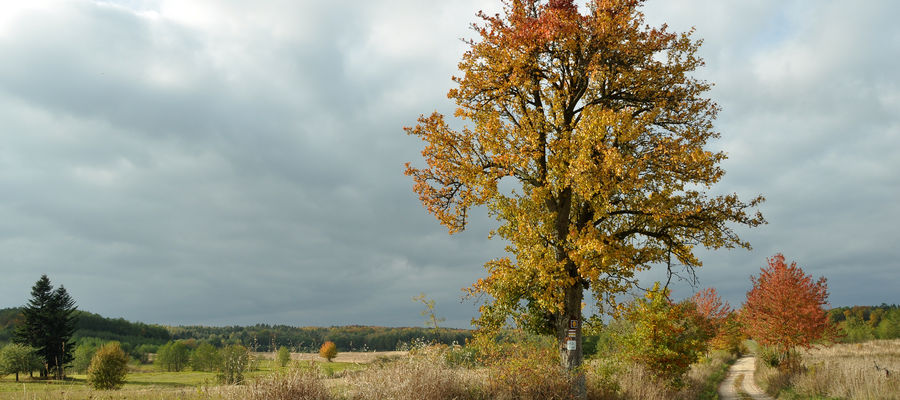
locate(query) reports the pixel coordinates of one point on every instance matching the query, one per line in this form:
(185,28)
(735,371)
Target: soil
(742,372)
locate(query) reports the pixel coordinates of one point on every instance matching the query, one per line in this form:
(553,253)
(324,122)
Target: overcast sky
(234,162)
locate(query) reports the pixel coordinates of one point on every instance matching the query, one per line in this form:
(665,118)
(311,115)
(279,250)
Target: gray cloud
(229,163)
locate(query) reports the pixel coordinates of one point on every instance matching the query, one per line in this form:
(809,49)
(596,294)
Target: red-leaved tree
(712,310)
(785,308)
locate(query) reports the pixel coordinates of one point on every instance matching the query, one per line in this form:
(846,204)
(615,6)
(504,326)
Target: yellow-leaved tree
(594,120)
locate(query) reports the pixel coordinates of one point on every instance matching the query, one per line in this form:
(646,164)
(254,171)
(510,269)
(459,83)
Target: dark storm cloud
(235,163)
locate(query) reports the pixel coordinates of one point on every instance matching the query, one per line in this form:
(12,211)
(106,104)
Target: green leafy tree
(108,367)
(17,358)
(205,358)
(48,326)
(284,356)
(667,338)
(235,361)
(889,327)
(83,355)
(143,352)
(586,137)
(173,356)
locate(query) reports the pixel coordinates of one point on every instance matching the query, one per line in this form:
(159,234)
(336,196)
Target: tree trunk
(571,321)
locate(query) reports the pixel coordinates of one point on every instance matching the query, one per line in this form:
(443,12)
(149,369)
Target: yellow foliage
(598,121)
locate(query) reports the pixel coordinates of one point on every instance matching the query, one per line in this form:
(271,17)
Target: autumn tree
(585,136)
(328,350)
(711,309)
(785,308)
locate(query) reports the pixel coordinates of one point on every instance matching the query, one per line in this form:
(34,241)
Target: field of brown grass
(842,371)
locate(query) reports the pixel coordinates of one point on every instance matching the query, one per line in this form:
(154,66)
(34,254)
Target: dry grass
(635,382)
(424,376)
(844,371)
(847,371)
(345,357)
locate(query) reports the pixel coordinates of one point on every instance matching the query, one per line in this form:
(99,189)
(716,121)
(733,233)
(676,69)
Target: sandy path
(744,367)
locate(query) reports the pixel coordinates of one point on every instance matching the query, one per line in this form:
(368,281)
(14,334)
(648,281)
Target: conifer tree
(48,325)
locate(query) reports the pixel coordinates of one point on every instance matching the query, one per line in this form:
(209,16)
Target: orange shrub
(328,350)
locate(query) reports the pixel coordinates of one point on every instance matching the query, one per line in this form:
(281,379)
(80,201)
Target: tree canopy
(595,122)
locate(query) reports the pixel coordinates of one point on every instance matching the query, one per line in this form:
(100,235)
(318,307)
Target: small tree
(712,310)
(428,312)
(729,335)
(328,350)
(235,360)
(84,354)
(785,309)
(284,356)
(172,356)
(205,358)
(16,358)
(108,367)
(667,337)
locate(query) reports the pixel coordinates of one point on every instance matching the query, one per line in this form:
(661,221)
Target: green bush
(284,356)
(235,361)
(108,367)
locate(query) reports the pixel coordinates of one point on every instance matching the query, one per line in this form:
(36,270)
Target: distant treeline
(861,323)
(95,328)
(262,337)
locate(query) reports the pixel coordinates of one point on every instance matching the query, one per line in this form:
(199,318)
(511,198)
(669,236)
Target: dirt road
(742,373)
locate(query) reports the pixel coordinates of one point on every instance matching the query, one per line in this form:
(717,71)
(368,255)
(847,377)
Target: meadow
(853,371)
(429,372)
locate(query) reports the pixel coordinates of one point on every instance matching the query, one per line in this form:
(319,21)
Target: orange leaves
(785,307)
(328,350)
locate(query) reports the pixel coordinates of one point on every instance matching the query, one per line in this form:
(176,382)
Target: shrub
(235,360)
(667,338)
(284,356)
(328,351)
(108,367)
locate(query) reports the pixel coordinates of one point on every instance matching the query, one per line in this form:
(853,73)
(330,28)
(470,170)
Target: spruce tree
(48,326)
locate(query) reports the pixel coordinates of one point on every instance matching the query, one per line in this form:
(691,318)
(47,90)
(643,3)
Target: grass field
(842,371)
(147,382)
